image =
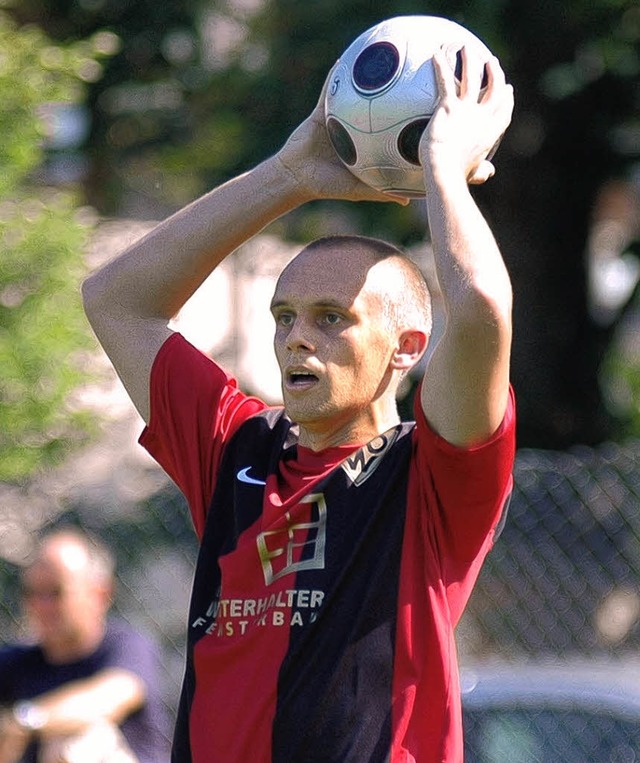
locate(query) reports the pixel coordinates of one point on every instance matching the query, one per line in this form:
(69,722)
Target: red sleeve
(468,489)
(195,408)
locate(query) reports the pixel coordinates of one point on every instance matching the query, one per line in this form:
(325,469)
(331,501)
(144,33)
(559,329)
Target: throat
(352,434)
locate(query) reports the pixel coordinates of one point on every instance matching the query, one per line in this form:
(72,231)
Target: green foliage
(42,329)
(204,89)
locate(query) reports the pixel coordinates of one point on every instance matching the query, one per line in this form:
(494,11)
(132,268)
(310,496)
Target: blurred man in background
(87,689)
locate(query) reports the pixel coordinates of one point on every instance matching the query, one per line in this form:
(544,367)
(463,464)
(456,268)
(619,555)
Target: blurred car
(587,712)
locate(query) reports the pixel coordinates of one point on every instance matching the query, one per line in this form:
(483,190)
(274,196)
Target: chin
(306,415)
(300,416)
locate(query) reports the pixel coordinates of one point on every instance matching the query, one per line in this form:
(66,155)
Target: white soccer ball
(382,92)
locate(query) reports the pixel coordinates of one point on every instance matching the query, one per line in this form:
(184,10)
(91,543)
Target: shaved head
(402,288)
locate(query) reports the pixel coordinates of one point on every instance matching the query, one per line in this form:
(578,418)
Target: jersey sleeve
(469,491)
(195,408)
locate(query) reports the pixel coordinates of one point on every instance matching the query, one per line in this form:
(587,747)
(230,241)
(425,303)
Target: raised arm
(130,301)
(465,390)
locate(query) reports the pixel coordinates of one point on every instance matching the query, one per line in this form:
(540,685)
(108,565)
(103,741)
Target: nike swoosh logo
(243,476)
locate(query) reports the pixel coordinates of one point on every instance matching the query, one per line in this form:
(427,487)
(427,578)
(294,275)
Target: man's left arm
(110,695)
(466,387)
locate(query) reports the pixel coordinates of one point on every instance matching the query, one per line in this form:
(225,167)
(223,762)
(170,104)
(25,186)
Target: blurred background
(114,113)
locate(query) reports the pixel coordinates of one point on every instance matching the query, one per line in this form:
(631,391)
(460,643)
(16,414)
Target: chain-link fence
(564,578)
(561,588)
(155,549)
(563,581)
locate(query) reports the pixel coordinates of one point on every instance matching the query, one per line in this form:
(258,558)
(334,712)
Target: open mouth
(300,379)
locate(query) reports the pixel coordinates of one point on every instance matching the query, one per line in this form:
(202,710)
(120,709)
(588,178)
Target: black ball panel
(409,140)
(375,67)
(342,142)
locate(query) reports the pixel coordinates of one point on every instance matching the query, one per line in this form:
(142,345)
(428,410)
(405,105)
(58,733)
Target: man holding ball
(339,546)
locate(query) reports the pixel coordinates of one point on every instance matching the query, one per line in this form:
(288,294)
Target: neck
(321,435)
(71,649)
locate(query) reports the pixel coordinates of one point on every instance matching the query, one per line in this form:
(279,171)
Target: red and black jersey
(328,585)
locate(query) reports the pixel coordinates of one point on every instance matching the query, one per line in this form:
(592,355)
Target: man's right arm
(131,300)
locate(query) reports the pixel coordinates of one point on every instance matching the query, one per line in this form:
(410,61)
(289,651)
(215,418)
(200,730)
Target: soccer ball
(382,92)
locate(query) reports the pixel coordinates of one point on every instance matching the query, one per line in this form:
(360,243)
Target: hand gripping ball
(382,92)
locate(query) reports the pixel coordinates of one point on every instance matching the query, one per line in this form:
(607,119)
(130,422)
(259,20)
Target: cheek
(355,373)
(279,351)
(372,357)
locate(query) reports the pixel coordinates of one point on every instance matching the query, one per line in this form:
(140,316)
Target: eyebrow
(320,303)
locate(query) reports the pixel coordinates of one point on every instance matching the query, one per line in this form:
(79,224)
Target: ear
(411,347)
(105,592)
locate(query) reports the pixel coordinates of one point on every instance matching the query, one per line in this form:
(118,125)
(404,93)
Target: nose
(300,336)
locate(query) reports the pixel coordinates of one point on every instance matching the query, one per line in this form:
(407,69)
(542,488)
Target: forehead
(60,562)
(43,574)
(328,276)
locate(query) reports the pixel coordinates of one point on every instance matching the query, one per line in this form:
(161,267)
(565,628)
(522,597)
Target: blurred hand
(467,123)
(13,738)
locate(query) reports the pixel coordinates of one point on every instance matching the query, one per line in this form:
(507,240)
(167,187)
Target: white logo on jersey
(243,476)
(277,548)
(363,463)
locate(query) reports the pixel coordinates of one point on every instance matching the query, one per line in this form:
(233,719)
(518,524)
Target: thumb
(481,173)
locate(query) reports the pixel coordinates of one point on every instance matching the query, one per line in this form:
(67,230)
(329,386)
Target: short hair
(375,246)
(409,309)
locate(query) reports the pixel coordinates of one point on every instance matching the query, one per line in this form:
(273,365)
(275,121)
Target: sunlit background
(114,113)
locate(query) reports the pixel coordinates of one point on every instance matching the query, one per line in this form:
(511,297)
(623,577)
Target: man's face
(332,340)
(60,600)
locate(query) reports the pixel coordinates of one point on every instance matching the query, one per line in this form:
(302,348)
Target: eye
(284,319)
(331,319)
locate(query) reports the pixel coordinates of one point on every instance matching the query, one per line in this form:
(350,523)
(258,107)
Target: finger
(388,196)
(445,77)
(464,74)
(495,74)
(368,193)
(508,104)
(402,200)
(496,82)
(503,107)
(472,76)
(483,172)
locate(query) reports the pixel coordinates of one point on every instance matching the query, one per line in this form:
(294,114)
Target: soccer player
(339,546)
